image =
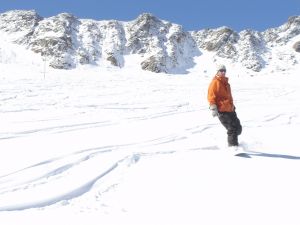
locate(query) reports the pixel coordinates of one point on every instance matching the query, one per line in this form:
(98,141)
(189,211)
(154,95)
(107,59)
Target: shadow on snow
(262,154)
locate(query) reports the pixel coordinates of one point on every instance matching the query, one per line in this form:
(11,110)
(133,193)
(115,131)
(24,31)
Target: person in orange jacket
(221,105)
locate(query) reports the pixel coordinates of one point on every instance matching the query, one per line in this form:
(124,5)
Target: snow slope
(123,146)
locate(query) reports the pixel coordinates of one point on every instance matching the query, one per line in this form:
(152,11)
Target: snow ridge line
(64,197)
(56,175)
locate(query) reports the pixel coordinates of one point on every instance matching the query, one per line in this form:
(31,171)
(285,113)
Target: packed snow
(123,146)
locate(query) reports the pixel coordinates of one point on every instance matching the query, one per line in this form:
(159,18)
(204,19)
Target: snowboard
(242,154)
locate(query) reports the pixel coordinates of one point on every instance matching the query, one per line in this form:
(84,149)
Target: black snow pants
(233,126)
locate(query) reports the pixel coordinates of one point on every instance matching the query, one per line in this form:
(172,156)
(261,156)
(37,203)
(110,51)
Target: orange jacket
(219,93)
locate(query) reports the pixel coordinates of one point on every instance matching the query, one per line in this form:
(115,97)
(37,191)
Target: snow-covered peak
(66,41)
(19,24)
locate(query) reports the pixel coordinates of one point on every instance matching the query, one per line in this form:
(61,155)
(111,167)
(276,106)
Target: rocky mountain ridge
(66,42)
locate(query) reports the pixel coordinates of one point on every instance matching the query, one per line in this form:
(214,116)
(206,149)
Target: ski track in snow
(130,117)
(57,173)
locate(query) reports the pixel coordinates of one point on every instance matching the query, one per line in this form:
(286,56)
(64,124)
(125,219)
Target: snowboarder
(221,105)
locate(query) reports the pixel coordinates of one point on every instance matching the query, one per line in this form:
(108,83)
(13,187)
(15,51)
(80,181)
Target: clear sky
(191,14)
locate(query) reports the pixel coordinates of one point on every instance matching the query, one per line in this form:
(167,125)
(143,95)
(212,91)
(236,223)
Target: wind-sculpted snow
(56,180)
(122,147)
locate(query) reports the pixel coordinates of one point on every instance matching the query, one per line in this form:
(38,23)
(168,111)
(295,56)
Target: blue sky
(191,14)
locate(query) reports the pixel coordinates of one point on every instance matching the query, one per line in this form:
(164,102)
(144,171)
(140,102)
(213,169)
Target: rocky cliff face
(66,42)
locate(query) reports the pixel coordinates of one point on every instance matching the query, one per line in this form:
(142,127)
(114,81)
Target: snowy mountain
(130,148)
(66,41)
